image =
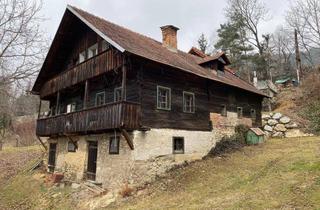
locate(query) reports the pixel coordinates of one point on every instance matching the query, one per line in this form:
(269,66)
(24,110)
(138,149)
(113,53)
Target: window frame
(92,48)
(224,111)
(115,94)
(168,108)
(82,56)
(104,98)
(240,114)
(71,143)
(173,145)
(72,105)
(116,138)
(193,110)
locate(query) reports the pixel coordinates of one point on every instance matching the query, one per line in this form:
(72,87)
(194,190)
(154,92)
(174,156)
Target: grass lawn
(280,174)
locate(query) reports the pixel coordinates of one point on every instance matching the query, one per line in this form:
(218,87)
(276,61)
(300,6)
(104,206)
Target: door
(52,156)
(92,160)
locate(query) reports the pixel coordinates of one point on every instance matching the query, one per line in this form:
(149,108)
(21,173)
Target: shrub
(312,113)
(231,143)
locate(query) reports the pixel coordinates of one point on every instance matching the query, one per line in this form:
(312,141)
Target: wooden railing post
(124,79)
(86,94)
(57,104)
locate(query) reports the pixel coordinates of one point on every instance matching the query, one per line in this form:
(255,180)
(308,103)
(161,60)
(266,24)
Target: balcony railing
(90,68)
(93,120)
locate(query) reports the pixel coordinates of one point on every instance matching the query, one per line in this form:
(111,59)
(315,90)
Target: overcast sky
(146,16)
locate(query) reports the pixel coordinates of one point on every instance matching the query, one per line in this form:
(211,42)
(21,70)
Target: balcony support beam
(128,138)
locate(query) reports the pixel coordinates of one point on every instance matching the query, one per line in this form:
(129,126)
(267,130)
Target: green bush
(312,113)
(241,133)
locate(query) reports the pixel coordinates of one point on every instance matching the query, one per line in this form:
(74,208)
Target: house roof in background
(129,41)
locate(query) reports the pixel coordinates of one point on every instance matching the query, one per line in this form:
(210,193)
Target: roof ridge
(114,24)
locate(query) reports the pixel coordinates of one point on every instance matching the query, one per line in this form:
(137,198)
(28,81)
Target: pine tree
(203,43)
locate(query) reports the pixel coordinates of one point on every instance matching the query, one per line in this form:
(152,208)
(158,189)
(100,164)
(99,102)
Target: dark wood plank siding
(152,76)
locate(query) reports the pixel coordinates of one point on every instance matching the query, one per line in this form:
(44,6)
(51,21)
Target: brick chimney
(169,37)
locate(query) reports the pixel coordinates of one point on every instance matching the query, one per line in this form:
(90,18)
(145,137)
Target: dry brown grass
(280,174)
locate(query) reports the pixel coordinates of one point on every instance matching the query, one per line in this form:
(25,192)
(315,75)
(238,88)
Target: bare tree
(22,44)
(251,13)
(304,16)
(282,45)
(22,49)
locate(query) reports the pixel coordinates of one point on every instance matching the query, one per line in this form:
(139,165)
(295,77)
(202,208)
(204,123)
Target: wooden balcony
(97,65)
(124,115)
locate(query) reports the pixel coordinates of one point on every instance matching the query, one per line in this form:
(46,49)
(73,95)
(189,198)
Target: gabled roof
(126,40)
(195,51)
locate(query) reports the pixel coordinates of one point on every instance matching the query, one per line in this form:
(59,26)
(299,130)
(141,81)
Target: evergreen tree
(203,43)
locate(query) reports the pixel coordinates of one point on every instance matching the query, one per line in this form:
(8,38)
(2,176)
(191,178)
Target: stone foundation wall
(152,155)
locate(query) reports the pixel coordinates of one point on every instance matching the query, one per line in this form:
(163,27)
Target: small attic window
(93,50)
(82,56)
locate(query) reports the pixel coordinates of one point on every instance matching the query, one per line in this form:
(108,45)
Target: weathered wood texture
(110,116)
(153,75)
(95,66)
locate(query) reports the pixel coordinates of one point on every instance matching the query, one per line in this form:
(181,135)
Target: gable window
(71,107)
(114,145)
(100,98)
(93,50)
(72,146)
(82,56)
(224,110)
(239,112)
(188,102)
(253,114)
(163,98)
(104,45)
(117,94)
(178,145)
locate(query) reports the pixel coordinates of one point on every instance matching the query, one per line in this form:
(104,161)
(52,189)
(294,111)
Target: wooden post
(85,98)
(124,79)
(57,103)
(39,109)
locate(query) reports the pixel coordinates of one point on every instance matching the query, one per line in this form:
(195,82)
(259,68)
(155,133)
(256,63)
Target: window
(163,98)
(82,56)
(178,145)
(188,102)
(71,107)
(114,145)
(253,114)
(93,50)
(104,45)
(100,98)
(239,111)
(72,147)
(117,94)
(224,110)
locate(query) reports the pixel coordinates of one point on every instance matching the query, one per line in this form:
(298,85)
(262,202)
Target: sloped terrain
(280,174)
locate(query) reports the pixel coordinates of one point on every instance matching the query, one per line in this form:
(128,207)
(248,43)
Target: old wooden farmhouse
(125,107)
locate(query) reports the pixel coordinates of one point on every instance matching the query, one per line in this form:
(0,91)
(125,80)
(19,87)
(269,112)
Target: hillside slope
(280,174)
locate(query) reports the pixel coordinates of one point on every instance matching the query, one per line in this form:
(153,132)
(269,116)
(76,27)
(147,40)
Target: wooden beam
(57,102)
(124,80)
(73,142)
(86,94)
(128,138)
(42,143)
